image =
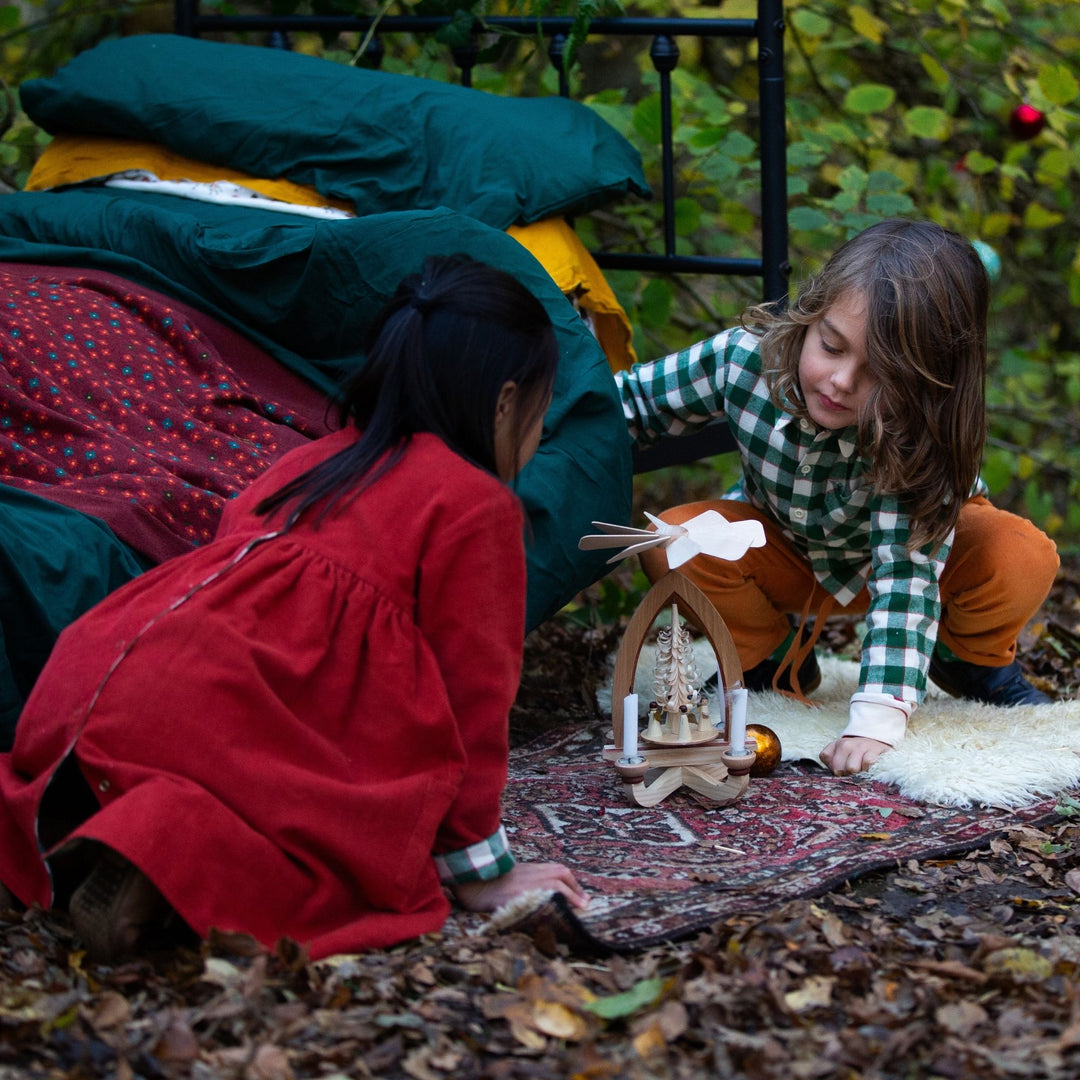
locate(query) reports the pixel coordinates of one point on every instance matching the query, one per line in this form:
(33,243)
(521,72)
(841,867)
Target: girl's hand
(852,754)
(523,878)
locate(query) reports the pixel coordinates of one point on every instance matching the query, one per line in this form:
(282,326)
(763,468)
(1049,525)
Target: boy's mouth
(833,406)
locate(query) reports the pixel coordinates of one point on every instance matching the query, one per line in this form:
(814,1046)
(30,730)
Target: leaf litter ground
(953,969)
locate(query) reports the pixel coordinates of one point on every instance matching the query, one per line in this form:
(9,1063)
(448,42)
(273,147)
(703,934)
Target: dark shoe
(993,685)
(760,677)
(117,909)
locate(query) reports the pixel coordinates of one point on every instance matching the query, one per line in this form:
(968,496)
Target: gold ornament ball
(767,744)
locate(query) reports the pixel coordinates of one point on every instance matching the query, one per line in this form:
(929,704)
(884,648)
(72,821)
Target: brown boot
(117,909)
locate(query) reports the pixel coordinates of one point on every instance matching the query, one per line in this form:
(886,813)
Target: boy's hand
(852,754)
(523,878)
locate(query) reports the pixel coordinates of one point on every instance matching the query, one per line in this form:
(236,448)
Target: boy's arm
(901,627)
(680,391)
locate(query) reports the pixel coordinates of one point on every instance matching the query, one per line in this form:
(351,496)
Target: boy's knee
(1028,553)
(996,545)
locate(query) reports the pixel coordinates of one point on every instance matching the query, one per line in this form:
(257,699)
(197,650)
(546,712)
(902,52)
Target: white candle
(629,726)
(739,694)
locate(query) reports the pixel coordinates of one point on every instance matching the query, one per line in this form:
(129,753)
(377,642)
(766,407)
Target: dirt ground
(966,968)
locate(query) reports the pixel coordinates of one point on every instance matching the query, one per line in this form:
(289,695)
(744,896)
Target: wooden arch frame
(693,603)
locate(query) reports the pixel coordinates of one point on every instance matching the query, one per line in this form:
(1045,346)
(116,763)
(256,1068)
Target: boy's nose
(843,377)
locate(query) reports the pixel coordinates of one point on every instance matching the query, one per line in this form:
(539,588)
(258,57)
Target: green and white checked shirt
(812,483)
(482,861)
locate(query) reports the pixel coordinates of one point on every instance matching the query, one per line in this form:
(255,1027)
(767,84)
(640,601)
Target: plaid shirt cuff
(483,861)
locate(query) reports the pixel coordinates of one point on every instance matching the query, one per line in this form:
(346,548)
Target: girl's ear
(505,403)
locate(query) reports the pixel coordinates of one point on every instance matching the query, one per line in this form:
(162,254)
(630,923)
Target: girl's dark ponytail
(437,355)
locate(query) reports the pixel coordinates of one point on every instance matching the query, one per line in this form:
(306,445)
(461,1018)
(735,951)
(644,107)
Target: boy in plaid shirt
(859,414)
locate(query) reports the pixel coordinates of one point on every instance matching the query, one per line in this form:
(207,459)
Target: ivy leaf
(869,98)
(687,216)
(639,996)
(705,138)
(1038,217)
(867,24)
(890,204)
(1054,166)
(997,470)
(655,308)
(458,32)
(1058,83)
(720,169)
(979,164)
(844,201)
(996,224)
(810,23)
(802,153)
(806,219)
(647,121)
(852,179)
(880,182)
(938,75)
(928,122)
(739,147)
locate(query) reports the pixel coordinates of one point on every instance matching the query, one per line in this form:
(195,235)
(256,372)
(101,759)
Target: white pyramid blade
(636,549)
(609,540)
(664,528)
(714,535)
(681,549)
(608,527)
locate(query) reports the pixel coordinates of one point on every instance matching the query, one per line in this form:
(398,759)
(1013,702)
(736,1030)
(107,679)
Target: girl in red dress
(300,729)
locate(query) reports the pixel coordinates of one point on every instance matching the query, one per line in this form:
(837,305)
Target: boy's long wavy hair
(924,426)
(438,355)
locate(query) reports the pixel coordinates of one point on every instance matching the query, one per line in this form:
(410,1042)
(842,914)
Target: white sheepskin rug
(956,753)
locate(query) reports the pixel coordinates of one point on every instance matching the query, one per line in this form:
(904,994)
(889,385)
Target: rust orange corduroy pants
(998,573)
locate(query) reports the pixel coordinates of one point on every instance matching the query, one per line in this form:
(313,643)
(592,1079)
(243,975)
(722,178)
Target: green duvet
(305,290)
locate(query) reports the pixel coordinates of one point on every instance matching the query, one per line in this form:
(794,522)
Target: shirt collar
(847,439)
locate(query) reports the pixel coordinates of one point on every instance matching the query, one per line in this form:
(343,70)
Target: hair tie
(422,301)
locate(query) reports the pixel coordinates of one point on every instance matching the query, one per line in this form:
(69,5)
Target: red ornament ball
(767,745)
(1025,121)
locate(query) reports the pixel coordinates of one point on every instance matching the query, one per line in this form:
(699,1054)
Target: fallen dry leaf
(814,993)
(555,1019)
(269,1063)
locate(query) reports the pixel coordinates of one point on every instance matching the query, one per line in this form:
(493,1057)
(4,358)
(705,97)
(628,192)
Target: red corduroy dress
(281,732)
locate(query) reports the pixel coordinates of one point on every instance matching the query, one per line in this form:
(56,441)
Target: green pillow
(380,141)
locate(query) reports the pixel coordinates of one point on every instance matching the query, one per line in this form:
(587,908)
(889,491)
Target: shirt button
(805,469)
(104,785)
(798,515)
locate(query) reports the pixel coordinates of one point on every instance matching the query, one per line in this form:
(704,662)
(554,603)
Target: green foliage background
(895,108)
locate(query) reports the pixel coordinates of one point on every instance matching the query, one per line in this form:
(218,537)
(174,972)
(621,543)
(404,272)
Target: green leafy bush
(895,108)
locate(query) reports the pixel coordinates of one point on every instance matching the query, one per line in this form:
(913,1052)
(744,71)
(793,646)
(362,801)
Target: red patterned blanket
(129,406)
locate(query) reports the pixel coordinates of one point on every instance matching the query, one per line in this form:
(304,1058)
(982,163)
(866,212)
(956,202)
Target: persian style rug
(964,773)
(956,753)
(662,873)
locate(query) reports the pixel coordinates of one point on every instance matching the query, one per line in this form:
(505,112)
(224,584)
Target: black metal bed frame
(768,30)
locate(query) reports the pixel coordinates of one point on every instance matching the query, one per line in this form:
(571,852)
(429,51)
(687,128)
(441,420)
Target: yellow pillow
(73,159)
(562,254)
